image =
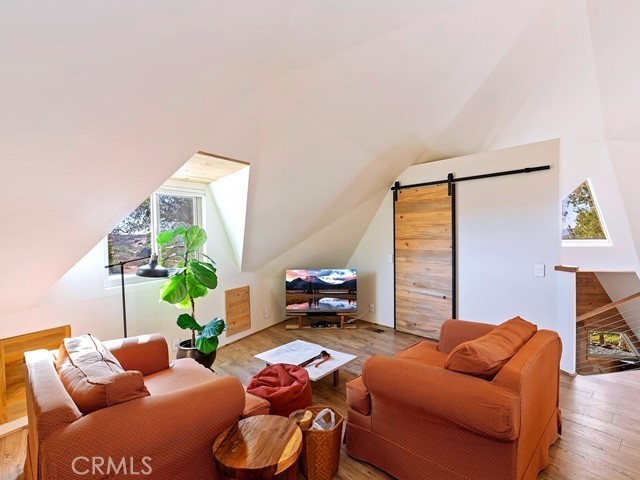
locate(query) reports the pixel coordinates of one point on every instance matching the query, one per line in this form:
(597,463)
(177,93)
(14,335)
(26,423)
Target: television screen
(321,291)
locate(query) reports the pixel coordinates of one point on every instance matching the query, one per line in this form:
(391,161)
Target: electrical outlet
(390,258)
(174,343)
(372,307)
(265,313)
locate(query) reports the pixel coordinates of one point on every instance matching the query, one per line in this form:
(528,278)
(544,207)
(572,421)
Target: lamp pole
(124,305)
(150,270)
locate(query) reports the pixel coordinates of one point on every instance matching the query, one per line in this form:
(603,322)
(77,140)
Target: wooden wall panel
(238,307)
(590,294)
(13,403)
(423,260)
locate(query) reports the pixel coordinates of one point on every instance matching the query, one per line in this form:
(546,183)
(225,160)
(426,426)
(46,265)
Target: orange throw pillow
(93,377)
(485,356)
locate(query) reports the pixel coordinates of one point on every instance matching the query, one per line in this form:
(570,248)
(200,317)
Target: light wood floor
(601,413)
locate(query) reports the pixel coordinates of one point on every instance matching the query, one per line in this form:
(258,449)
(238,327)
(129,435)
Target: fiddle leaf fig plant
(191,279)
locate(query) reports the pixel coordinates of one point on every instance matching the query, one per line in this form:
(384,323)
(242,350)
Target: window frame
(623,335)
(590,242)
(199,196)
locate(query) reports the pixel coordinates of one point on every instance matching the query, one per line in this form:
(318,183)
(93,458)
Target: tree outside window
(135,235)
(581,219)
(131,238)
(174,211)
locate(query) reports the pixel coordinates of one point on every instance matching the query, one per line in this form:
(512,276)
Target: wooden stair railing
(590,362)
(606,307)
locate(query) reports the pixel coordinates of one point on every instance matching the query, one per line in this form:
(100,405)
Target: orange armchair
(167,435)
(413,418)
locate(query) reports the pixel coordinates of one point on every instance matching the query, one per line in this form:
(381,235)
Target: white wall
(505,226)
(230,195)
(375,272)
(580,162)
(80,298)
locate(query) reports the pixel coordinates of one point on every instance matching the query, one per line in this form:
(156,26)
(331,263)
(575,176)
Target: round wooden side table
(259,447)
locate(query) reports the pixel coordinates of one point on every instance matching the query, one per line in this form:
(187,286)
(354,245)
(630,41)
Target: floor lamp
(152,269)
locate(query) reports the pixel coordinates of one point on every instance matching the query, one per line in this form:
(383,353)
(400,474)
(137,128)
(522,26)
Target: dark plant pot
(185,350)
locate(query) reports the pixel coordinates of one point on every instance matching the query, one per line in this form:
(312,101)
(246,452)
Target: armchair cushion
(93,377)
(254,405)
(425,352)
(454,332)
(147,354)
(485,356)
(428,391)
(358,396)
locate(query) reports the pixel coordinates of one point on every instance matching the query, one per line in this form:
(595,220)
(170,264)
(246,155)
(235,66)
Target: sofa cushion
(485,356)
(93,377)
(182,373)
(425,352)
(186,372)
(254,405)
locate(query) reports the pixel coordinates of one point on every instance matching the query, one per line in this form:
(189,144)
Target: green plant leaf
(194,238)
(208,265)
(213,262)
(194,287)
(174,289)
(187,322)
(214,328)
(185,304)
(204,274)
(168,235)
(206,345)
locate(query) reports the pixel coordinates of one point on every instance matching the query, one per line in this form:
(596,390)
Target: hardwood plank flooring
(601,419)
(13,449)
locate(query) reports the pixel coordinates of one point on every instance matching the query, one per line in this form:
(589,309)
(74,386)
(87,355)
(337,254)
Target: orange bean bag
(286,387)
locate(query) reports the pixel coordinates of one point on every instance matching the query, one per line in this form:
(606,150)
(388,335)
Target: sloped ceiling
(328,100)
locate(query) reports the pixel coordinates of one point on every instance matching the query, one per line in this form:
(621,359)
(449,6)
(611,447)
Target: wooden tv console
(344,317)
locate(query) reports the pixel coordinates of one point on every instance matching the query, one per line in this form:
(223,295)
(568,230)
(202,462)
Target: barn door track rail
(450,180)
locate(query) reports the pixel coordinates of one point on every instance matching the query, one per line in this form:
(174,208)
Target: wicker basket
(320,456)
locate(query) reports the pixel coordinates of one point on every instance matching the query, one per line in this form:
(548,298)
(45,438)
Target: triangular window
(581,217)
(612,344)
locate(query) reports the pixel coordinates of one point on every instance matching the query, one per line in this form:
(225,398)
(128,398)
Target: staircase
(605,331)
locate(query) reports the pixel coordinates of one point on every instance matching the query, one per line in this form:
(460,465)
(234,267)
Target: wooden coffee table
(259,447)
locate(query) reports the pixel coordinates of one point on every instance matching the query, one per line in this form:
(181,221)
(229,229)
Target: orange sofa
(413,418)
(166,435)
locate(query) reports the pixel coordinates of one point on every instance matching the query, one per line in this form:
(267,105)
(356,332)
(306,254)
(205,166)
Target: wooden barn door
(424,259)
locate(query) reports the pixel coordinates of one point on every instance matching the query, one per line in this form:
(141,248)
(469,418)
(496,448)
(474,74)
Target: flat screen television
(326,292)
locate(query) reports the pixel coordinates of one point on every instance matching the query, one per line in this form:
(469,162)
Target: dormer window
(134,236)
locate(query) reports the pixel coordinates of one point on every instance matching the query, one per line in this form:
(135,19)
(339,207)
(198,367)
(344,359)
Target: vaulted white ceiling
(328,100)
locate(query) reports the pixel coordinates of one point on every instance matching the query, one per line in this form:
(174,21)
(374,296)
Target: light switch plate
(538,270)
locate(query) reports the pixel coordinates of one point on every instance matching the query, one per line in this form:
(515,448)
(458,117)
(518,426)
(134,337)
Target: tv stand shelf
(343,325)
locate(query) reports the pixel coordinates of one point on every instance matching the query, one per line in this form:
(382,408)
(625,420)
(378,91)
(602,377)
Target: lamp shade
(152,269)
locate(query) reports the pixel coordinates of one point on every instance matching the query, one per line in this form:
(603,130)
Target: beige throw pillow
(93,376)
